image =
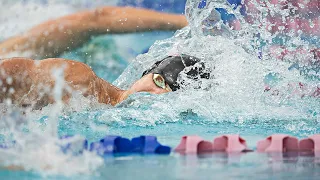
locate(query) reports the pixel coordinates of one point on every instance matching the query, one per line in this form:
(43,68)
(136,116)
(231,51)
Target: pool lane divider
(111,144)
(278,143)
(117,144)
(76,147)
(193,145)
(312,143)
(230,143)
(149,145)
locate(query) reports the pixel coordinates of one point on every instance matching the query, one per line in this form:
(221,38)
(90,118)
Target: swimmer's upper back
(21,77)
(12,66)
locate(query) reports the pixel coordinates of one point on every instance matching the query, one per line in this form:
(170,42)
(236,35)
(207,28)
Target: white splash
(235,92)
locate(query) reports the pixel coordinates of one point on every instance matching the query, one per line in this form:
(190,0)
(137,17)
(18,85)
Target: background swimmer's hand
(54,37)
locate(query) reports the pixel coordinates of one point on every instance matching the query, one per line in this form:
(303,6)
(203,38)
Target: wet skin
(28,82)
(53,37)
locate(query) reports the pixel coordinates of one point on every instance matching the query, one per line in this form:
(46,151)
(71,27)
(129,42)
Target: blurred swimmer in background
(52,38)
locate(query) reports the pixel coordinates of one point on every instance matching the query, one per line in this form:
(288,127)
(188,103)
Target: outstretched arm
(54,37)
(34,82)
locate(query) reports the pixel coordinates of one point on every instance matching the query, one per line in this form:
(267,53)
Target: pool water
(205,166)
(218,166)
(232,101)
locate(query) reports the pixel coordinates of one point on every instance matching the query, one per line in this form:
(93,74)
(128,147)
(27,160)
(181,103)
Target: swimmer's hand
(145,84)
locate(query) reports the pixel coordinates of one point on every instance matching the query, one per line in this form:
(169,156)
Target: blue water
(149,115)
(208,166)
(218,166)
(109,55)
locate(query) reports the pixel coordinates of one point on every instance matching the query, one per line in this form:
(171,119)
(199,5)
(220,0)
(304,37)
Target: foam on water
(234,93)
(237,87)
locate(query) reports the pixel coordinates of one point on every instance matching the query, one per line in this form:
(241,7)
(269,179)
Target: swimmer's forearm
(50,38)
(54,37)
(127,19)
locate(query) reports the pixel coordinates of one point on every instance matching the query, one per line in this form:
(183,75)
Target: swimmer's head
(166,72)
(162,77)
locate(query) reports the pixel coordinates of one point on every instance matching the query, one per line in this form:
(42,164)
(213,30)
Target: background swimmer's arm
(54,37)
(127,19)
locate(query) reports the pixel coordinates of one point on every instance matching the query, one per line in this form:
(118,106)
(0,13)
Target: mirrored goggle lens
(160,82)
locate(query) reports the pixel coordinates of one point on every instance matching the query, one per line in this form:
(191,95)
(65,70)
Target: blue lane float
(111,145)
(75,147)
(117,144)
(149,145)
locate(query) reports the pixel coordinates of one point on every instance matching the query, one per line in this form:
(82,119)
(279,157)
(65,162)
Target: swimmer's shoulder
(15,65)
(72,67)
(69,62)
(16,61)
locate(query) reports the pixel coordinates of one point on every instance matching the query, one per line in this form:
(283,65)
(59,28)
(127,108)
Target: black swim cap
(171,66)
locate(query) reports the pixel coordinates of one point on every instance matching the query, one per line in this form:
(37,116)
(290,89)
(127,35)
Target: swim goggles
(160,82)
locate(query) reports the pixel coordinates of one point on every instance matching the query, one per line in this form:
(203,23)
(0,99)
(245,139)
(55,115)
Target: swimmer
(52,38)
(27,82)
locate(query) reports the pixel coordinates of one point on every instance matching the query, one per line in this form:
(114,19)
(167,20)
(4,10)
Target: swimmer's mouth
(160,82)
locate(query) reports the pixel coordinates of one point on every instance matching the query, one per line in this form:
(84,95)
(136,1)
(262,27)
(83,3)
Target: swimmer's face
(151,83)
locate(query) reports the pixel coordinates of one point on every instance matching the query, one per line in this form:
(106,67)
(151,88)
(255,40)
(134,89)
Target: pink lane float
(311,144)
(224,143)
(286,143)
(193,145)
(278,143)
(230,143)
